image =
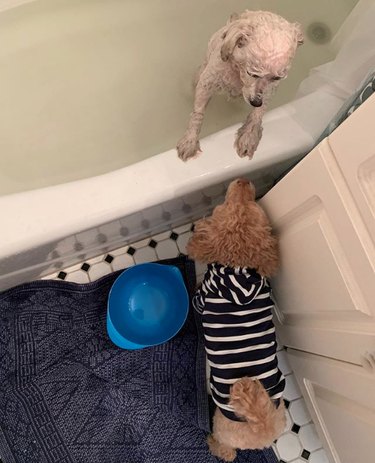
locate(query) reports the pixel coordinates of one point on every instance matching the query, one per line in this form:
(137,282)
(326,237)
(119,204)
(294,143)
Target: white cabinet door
(353,148)
(323,211)
(341,399)
(324,214)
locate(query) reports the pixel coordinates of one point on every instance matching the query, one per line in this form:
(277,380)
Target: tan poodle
(249,56)
(234,299)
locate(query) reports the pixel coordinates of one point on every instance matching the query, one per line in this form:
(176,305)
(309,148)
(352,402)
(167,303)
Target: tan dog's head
(261,45)
(238,234)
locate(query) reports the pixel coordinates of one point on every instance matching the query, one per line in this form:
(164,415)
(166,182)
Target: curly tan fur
(239,234)
(264,422)
(247,57)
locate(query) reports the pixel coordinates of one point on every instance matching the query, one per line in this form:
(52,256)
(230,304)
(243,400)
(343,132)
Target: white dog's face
(258,85)
(262,53)
(259,79)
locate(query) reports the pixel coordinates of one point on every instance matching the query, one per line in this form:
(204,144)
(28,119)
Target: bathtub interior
(91,86)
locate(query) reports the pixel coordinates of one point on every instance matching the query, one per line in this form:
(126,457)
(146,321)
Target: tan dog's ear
(201,245)
(233,37)
(299,33)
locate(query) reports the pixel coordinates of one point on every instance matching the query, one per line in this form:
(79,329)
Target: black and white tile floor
(300,442)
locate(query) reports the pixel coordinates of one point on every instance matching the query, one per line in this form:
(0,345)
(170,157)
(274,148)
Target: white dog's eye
(276,78)
(254,76)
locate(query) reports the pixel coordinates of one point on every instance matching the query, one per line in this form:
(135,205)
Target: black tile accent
(62,275)
(173,236)
(109,258)
(153,244)
(305,454)
(192,227)
(131,251)
(85,267)
(282,461)
(287,403)
(296,428)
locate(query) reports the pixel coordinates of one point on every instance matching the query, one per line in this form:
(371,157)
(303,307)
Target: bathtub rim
(55,212)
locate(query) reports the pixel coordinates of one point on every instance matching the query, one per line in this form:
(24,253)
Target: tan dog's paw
(247,140)
(188,147)
(220,450)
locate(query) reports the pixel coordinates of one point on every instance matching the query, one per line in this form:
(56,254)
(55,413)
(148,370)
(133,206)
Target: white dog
(248,57)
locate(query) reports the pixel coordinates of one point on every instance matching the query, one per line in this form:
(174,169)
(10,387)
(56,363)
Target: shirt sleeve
(198,301)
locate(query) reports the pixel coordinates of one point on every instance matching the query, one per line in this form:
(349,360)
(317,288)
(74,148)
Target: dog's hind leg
(221,450)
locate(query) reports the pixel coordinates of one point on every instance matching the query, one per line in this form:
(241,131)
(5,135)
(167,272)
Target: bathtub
(56,226)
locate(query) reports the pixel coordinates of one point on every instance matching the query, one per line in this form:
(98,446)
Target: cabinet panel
(353,146)
(341,400)
(325,288)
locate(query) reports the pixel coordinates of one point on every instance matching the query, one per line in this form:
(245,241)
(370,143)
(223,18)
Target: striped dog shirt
(236,304)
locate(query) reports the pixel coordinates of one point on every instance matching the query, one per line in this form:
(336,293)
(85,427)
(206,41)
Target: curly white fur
(248,57)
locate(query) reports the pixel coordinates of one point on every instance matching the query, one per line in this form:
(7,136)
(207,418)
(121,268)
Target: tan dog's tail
(251,401)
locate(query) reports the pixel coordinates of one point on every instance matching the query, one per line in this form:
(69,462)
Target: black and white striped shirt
(240,340)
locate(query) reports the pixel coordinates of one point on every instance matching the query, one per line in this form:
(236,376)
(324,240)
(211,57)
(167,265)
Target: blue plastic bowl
(147,305)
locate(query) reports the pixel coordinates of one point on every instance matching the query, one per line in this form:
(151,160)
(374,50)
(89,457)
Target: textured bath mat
(68,395)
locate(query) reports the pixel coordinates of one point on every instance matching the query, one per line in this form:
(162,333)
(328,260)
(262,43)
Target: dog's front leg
(188,147)
(249,135)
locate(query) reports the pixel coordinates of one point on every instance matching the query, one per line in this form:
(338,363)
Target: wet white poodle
(249,56)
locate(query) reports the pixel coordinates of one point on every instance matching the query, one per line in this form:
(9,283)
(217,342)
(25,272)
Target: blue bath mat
(68,395)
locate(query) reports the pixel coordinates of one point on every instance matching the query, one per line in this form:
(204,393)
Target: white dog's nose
(256,101)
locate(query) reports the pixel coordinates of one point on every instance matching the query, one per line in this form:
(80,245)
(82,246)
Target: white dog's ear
(232,17)
(299,33)
(233,37)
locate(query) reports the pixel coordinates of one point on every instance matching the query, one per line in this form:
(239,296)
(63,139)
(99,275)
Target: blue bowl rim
(126,272)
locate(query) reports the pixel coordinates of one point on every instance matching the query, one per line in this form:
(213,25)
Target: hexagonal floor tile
(122,261)
(319,456)
(309,438)
(292,391)
(283,362)
(99,270)
(167,249)
(289,422)
(79,276)
(289,447)
(145,254)
(182,241)
(299,412)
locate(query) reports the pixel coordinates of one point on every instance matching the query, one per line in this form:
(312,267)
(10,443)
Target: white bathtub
(66,223)
(59,225)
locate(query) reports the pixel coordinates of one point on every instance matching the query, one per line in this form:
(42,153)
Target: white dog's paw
(188,147)
(247,140)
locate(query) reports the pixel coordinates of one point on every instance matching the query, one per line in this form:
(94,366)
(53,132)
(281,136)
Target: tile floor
(300,442)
